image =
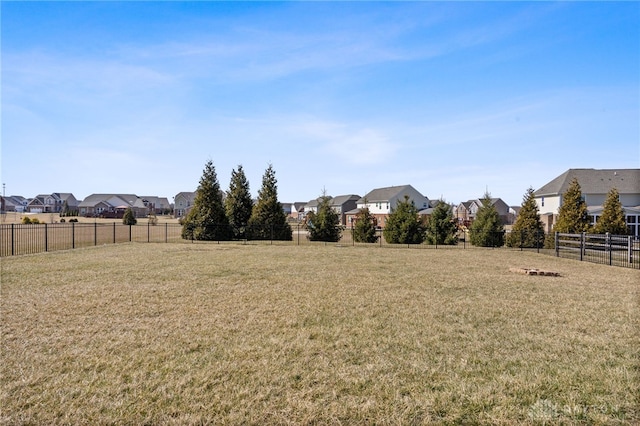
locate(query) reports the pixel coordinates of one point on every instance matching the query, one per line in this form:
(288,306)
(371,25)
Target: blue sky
(451,97)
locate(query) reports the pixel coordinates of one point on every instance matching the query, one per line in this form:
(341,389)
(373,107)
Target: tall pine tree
(528,230)
(612,220)
(364,229)
(487,229)
(403,224)
(268,220)
(441,227)
(207,219)
(573,217)
(238,203)
(325,224)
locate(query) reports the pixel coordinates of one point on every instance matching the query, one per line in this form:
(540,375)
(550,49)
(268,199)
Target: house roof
(298,205)
(187,195)
(594,181)
(341,199)
(314,203)
(157,201)
(131,200)
(385,194)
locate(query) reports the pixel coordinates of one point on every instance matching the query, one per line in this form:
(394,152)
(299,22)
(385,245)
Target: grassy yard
(258,334)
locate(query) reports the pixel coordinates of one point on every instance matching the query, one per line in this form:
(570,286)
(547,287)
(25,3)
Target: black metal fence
(607,249)
(19,239)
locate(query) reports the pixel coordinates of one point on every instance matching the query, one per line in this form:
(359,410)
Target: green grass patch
(259,334)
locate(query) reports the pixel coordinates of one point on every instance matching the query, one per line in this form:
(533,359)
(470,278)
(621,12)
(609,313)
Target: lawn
(260,334)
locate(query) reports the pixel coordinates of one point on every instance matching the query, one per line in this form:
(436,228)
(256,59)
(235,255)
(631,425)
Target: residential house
(382,201)
(14,203)
(312,206)
(296,210)
(343,204)
(51,203)
(467,211)
(182,203)
(595,184)
(112,205)
(157,205)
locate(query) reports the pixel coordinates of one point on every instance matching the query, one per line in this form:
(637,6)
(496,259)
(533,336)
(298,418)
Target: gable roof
(594,181)
(385,194)
(115,200)
(341,199)
(187,195)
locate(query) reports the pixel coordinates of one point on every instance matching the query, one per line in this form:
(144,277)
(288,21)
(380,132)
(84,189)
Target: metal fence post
(609,248)
(582,245)
(12,240)
(73,235)
(95,233)
(114,232)
(46,237)
(557,243)
(129,232)
(148,232)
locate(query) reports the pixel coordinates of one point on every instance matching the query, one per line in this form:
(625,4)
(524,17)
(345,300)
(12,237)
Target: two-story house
(382,201)
(595,184)
(182,203)
(51,203)
(467,211)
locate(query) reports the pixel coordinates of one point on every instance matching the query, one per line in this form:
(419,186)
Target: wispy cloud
(350,144)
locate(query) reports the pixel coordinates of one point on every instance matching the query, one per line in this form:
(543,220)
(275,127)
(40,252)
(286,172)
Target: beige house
(182,203)
(595,184)
(112,205)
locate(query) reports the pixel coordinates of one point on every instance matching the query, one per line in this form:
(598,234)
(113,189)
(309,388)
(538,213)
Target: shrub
(26,220)
(129,218)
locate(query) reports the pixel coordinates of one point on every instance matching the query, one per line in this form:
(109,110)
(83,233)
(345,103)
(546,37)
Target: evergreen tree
(66,211)
(238,203)
(268,220)
(441,227)
(487,229)
(573,217)
(129,218)
(207,219)
(403,224)
(325,224)
(528,230)
(612,220)
(364,230)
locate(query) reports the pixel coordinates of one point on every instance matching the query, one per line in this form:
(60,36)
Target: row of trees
(403,226)
(216,218)
(573,218)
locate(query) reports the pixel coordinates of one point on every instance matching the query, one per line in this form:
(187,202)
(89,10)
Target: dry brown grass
(15,217)
(256,334)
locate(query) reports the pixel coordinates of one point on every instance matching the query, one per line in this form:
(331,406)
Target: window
(542,201)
